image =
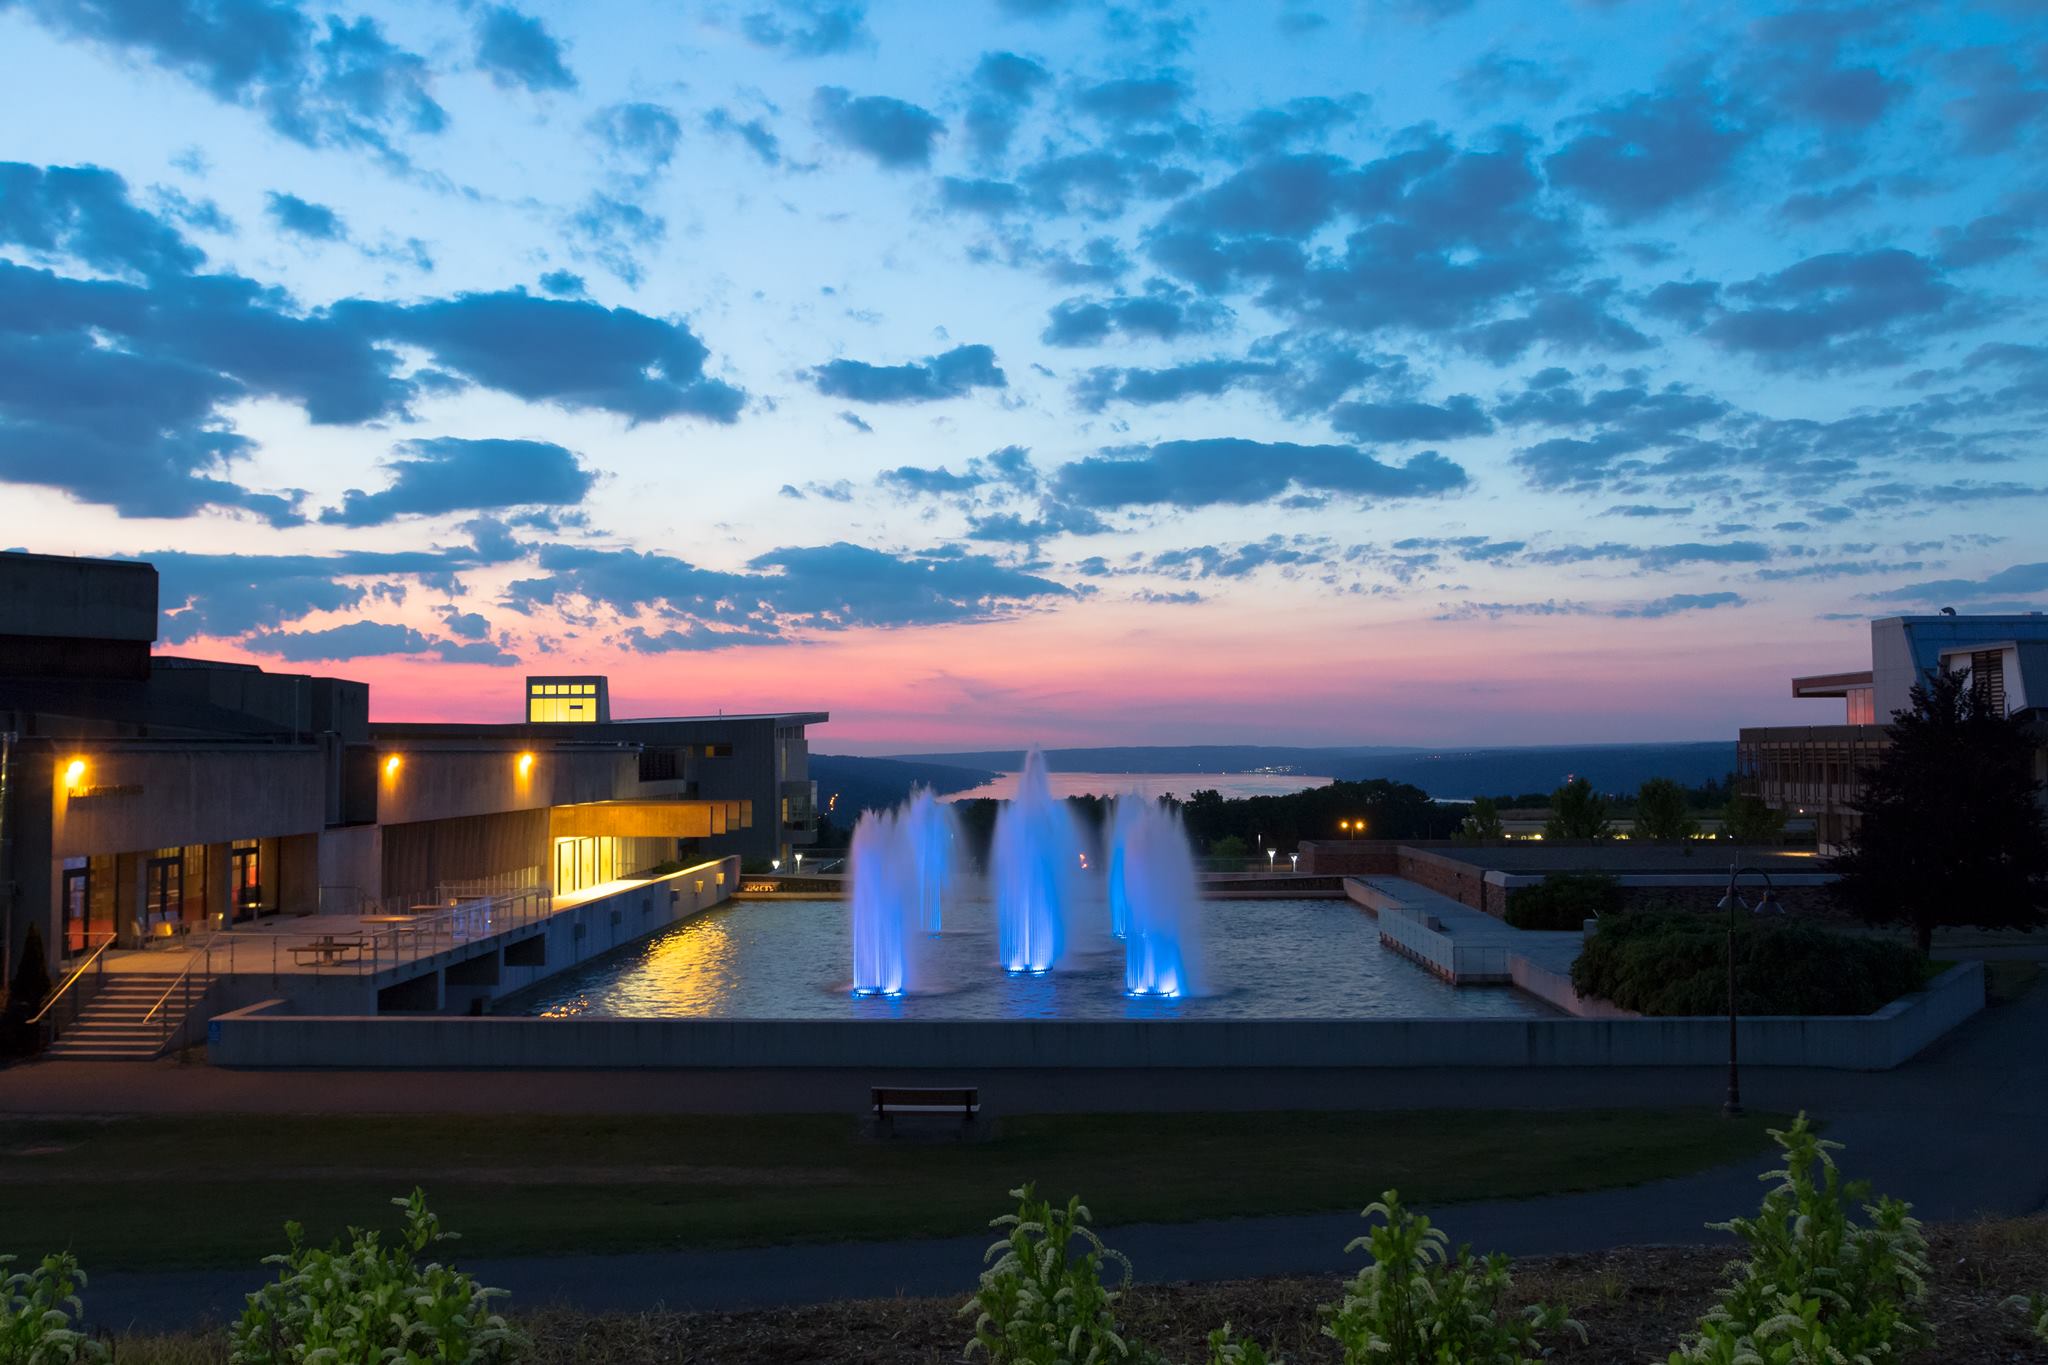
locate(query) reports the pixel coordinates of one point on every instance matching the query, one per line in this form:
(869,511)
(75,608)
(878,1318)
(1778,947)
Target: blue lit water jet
(928,825)
(902,873)
(1034,861)
(1153,898)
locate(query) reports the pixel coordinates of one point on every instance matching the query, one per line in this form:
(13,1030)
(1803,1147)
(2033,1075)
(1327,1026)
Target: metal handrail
(204,952)
(70,981)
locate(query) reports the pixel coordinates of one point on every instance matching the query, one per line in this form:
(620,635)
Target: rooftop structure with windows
(1814,770)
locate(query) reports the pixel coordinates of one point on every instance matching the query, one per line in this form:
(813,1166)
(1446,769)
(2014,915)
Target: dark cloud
(1568,321)
(1287,553)
(1457,417)
(795,588)
(1842,309)
(2001,104)
(466,625)
(1642,154)
(185,349)
(2017,581)
(950,374)
(614,231)
(355,640)
(754,132)
(1009,528)
(1005,85)
(809,28)
(450,474)
(1306,119)
(1099,183)
(84,212)
(1301,375)
(1986,240)
(1164,312)
(989,198)
(642,135)
(896,134)
(1806,65)
(1099,387)
(857,422)
(1498,77)
(564,284)
(1226,471)
(516,50)
(303,218)
(1814,206)
(1644,509)
(1672,605)
(334,83)
(1133,100)
(225,596)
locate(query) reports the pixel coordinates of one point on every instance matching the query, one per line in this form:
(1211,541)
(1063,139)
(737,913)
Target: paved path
(1959,1131)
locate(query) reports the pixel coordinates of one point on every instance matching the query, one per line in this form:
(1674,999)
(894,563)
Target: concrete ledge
(262,1036)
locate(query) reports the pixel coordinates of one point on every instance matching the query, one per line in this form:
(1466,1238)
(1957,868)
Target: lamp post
(775,864)
(799,861)
(1294,862)
(1731,902)
(1269,858)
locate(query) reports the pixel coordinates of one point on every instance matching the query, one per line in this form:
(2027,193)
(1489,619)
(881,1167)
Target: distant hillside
(878,783)
(1440,772)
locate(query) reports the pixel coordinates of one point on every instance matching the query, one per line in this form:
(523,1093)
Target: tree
(1483,822)
(31,975)
(1951,829)
(1747,820)
(1577,812)
(1662,815)
(1230,846)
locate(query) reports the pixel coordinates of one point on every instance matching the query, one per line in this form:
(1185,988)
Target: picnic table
(328,949)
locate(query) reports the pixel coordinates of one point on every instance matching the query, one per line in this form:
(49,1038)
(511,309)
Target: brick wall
(1350,857)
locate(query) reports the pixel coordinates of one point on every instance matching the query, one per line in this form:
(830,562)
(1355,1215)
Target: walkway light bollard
(1731,902)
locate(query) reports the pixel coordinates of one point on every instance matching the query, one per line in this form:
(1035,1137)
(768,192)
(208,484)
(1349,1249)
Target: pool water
(1264,959)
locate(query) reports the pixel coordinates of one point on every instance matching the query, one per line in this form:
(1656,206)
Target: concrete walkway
(1959,1131)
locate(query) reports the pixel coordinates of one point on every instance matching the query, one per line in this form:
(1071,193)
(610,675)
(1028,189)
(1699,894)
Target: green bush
(369,1304)
(1225,1349)
(1564,900)
(2035,1307)
(1747,820)
(1677,963)
(1418,1302)
(1230,846)
(1040,1303)
(36,1311)
(1818,1288)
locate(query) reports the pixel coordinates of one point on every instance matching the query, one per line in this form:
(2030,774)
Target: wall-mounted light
(74,773)
(392,765)
(526,765)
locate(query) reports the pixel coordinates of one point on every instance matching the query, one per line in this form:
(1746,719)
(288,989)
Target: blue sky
(1017,369)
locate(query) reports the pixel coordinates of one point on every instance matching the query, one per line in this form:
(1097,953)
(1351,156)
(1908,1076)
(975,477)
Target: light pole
(775,864)
(1731,902)
(799,862)
(1269,858)
(1294,862)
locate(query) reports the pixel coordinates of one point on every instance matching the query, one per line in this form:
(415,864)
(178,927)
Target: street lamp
(1269,858)
(799,861)
(775,864)
(1731,902)
(1294,862)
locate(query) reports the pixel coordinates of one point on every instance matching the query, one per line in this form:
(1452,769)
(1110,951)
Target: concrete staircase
(110,1028)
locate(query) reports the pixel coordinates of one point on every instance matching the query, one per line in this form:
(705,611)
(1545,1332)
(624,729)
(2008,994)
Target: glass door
(77,910)
(245,882)
(163,908)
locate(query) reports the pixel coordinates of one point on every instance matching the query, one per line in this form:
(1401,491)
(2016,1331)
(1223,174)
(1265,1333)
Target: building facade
(143,797)
(1814,770)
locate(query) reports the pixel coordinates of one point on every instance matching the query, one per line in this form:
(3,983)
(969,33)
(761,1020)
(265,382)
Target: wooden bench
(890,1100)
(328,950)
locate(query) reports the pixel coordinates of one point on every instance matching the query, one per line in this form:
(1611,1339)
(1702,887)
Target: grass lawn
(173,1192)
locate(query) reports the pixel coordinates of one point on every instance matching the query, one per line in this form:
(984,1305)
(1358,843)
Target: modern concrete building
(1812,770)
(146,798)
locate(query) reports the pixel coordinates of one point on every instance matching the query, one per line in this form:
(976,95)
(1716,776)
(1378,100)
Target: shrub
(1577,812)
(36,1311)
(1747,820)
(1661,812)
(369,1304)
(1417,1302)
(1225,1349)
(1677,963)
(2035,1308)
(1564,900)
(1230,846)
(1818,1288)
(1483,823)
(1040,1303)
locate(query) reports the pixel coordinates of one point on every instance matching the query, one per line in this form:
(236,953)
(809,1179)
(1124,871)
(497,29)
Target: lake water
(1278,959)
(1181,785)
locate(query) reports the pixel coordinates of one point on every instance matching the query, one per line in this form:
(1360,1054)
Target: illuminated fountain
(928,825)
(1153,898)
(1034,862)
(902,863)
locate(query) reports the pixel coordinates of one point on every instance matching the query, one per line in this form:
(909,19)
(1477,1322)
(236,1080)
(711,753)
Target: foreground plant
(1818,1288)
(368,1304)
(37,1308)
(1042,1301)
(1225,1349)
(2035,1309)
(1417,1304)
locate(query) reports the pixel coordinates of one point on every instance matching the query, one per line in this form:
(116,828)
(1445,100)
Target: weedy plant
(1818,1288)
(37,1308)
(1042,1300)
(1225,1349)
(2035,1307)
(1417,1302)
(365,1303)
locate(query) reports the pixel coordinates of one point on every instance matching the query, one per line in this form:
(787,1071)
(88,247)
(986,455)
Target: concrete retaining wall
(262,1036)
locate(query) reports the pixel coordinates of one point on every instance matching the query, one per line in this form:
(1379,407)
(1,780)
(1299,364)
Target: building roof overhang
(1831,684)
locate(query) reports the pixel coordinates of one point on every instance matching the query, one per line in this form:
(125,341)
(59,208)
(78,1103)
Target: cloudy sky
(1405,371)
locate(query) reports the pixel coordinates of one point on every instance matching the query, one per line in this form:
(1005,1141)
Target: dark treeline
(1709,795)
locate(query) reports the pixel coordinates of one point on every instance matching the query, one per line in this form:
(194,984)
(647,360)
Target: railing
(375,946)
(94,964)
(202,962)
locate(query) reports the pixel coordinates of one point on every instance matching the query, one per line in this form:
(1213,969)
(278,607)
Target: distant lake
(1182,785)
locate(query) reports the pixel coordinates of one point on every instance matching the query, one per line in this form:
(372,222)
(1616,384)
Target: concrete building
(145,798)
(1812,770)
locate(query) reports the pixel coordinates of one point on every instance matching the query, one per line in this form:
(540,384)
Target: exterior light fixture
(1732,902)
(392,765)
(1270,853)
(799,861)
(526,765)
(74,773)
(1294,862)
(775,864)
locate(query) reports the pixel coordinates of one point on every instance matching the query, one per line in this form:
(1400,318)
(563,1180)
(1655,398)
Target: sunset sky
(1013,371)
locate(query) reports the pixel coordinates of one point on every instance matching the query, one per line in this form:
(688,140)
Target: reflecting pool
(1264,959)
